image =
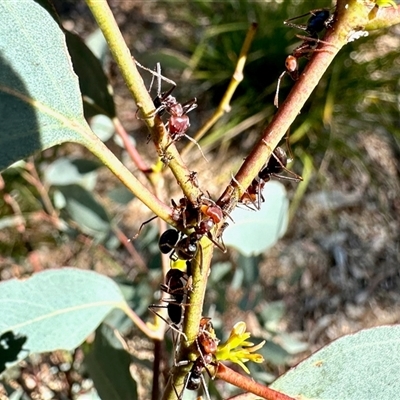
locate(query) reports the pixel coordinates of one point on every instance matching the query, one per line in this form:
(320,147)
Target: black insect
(276,164)
(195,377)
(320,19)
(177,286)
(168,241)
(201,218)
(186,248)
(207,345)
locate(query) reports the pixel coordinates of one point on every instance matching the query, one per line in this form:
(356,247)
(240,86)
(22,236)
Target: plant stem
(237,77)
(106,21)
(348,15)
(248,384)
(193,313)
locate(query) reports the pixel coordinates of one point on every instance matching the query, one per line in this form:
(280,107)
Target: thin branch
(129,147)
(349,16)
(152,334)
(248,384)
(193,313)
(106,21)
(237,77)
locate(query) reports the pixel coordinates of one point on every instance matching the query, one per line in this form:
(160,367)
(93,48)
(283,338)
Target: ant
(168,240)
(206,341)
(177,286)
(195,377)
(320,19)
(274,167)
(178,122)
(204,217)
(192,178)
(207,344)
(184,248)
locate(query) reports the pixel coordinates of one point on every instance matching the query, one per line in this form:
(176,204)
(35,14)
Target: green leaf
(108,366)
(98,46)
(255,232)
(89,214)
(40,101)
(65,171)
(120,194)
(92,80)
(103,127)
(56,309)
(274,353)
(364,365)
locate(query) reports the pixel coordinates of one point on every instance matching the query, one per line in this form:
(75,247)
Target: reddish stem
(248,384)
(130,148)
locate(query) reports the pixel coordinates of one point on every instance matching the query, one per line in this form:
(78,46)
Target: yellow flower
(386,3)
(238,350)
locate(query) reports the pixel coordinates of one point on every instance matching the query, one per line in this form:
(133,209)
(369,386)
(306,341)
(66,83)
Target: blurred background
(335,271)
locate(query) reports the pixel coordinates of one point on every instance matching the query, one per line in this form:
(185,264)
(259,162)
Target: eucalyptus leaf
(65,171)
(86,211)
(56,309)
(92,80)
(40,100)
(255,232)
(364,365)
(108,365)
(103,127)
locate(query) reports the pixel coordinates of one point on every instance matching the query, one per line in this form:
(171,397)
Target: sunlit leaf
(40,100)
(360,366)
(56,309)
(102,126)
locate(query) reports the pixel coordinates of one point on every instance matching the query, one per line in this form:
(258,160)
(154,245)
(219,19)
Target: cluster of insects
(196,221)
(201,219)
(320,19)
(178,287)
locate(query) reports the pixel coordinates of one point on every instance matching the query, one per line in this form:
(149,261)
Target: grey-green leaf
(88,213)
(255,232)
(65,171)
(364,365)
(40,100)
(56,309)
(92,80)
